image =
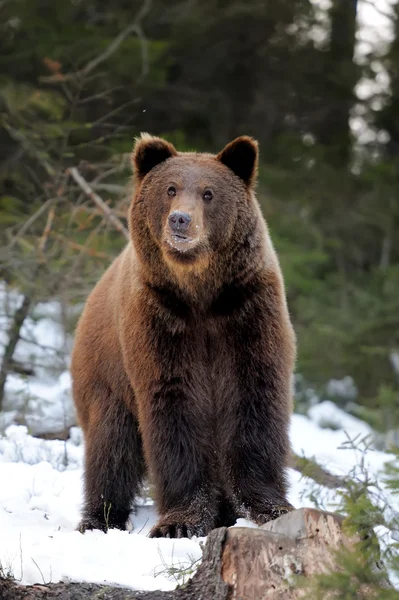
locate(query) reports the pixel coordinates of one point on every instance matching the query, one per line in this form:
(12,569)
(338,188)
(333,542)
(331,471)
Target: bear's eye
(171,190)
(207,195)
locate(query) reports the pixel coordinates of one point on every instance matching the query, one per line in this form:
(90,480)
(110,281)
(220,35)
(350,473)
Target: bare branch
(112,188)
(96,212)
(47,229)
(134,27)
(82,249)
(114,112)
(82,183)
(30,148)
(103,94)
(30,222)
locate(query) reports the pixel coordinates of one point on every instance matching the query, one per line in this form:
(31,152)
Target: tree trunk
(13,336)
(341,77)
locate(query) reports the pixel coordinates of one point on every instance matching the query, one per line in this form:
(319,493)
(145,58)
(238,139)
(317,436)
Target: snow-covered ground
(41,480)
(41,495)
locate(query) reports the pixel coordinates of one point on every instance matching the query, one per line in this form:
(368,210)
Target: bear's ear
(241,156)
(148,152)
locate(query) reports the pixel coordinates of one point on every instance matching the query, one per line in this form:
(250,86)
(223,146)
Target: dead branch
(30,222)
(112,188)
(134,27)
(96,212)
(47,229)
(100,95)
(82,249)
(29,148)
(310,468)
(82,183)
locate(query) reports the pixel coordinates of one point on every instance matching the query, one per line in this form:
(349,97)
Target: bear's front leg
(178,449)
(256,445)
(173,395)
(167,373)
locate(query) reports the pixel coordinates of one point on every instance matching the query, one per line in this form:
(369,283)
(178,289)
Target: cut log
(239,563)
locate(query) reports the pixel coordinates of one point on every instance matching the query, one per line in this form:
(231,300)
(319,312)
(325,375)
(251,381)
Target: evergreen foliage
(371,515)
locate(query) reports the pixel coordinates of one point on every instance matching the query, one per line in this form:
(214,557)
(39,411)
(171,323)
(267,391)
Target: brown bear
(184,354)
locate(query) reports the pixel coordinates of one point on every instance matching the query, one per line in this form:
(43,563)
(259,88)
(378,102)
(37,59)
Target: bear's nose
(179,221)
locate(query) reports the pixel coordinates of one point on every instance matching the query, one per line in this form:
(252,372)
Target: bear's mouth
(177,237)
(180,242)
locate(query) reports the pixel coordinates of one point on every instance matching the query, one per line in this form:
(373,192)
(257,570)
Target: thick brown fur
(184,354)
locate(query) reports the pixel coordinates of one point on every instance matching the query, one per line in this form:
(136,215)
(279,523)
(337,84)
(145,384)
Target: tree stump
(263,564)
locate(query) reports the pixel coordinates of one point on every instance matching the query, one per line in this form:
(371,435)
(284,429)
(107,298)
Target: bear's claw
(178,530)
(87,524)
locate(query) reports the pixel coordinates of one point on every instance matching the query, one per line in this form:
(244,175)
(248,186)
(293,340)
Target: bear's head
(186,205)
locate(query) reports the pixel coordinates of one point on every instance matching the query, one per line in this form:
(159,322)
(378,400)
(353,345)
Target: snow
(344,388)
(46,406)
(39,511)
(42,401)
(40,502)
(327,414)
(395,361)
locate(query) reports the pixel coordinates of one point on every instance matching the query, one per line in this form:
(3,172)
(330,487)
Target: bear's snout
(179,221)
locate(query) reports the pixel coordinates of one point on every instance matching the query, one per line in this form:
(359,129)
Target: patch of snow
(394,356)
(39,511)
(41,401)
(344,388)
(43,341)
(328,415)
(328,445)
(43,406)
(17,446)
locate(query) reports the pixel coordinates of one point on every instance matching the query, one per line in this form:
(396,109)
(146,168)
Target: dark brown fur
(184,354)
